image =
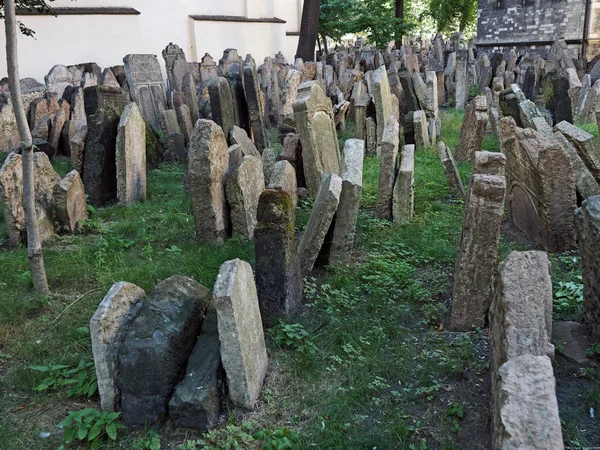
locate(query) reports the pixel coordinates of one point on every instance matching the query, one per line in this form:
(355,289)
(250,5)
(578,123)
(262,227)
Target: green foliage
(231,437)
(594,350)
(150,441)
(568,296)
(82,378)
(277,439)
(453,15)
(90,426)
(39,6)
(293,336)
(455,410)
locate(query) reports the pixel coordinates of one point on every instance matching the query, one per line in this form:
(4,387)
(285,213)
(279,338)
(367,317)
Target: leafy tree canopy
(39,6)
(453,15)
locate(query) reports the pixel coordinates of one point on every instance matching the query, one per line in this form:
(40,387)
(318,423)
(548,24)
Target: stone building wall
(532,25)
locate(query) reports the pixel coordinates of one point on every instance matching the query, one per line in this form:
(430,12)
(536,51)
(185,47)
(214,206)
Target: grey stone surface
(208,161)
(239,136)
(346,217)
(421,132)
(290,91)
(284,178)
(313,115)
(572,341)
(324,210)
(243,350)
(255,106)
(196,400)
(278,277)
(585,183)
(585,144)
(388,166)
(269,160)
(454,181)
(382,97)
(69,202)
(108,327)
(221,103)
(131,156)
(243,187)
(404,189)
(159,341)
(472,130)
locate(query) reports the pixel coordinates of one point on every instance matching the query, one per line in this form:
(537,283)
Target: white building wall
(106,39)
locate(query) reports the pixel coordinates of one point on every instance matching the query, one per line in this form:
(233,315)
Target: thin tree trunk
(34,246)
(400,16)
(308,30)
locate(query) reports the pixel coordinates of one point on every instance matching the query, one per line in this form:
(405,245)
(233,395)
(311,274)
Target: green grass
(375,368)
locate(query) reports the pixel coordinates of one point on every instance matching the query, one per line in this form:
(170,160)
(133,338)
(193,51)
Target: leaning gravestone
(382,98)
(472,129)
(404,186)
(69,202)
(196,400)
(585,144)
(208,162)
(556,95)
(454,181)
(587,222)
(313,115)
(346,217)
(421,133)
(290,91)
(324,209)
(478,249)
(108,327)
(159,341)
(255,107)
(243,188)
(243,350)
(278,276)
(283,177)
(146,84)
(131,156)
(221,103)
(585,183)
(388,165)
(239,136)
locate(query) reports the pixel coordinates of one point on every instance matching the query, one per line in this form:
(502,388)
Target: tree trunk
(34,246)
(400,17)
(308,30)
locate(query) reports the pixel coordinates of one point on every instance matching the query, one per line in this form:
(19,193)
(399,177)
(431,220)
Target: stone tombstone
(371,136)
(60,77)
(208,161)
(454,181)
(176,66)
(478,248)
(231,62)
(587,222)
(324,209)
(239,136)
(208,69)
(221,103)
(69,202)
(278,276)
(255,106)
(240,106)
(344,231)
(590,103)
(585,144)
(243,188)
(292,152)
(525,405)
(412,103)
(540,193)
(420,129)
(388,166)
(269,161)
(472,129)
(196,400)
(382,97)
(188,90)
(11,196)
(509,100)
(462,79)
(243,350)
(157,345)
(404,187)
(556,96)
(313,115)
(585,183)
(290,91)
(108,327)
(284,178)
(146,84)
(131,156)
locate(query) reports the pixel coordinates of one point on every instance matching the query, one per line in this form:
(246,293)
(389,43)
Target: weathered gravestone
(243,350)
(11,195)
(221,103)
(556,96)
(509,100)
(382,97)
(540,194)
(243,187)
(108,327)
(478,248)
(146,84)
(290,91)
(278,276)
(346,217)
(159,341)
(283,177)
(404,186)
(585,183)
(472,129)
(585,144)
(176,66)
(196,400)
(388,165)
(324,209)
(421,132)
(255,107)
(454,181)
(208,161)
(587,221)
(69,202)
(462,79)
(239,136)
(313,115)
(131,156)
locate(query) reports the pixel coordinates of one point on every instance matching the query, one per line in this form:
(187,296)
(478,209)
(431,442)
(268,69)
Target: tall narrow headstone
(404,186)
(421,132)
(472,129)
(454,181)
(382,98)
(131,156)
(221,103)
(388,165)
(255,107)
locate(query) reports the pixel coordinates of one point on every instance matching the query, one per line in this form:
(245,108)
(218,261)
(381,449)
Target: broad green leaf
(82,433)
(111,430)
(95,431)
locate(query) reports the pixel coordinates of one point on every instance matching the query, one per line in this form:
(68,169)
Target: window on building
(499,4)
